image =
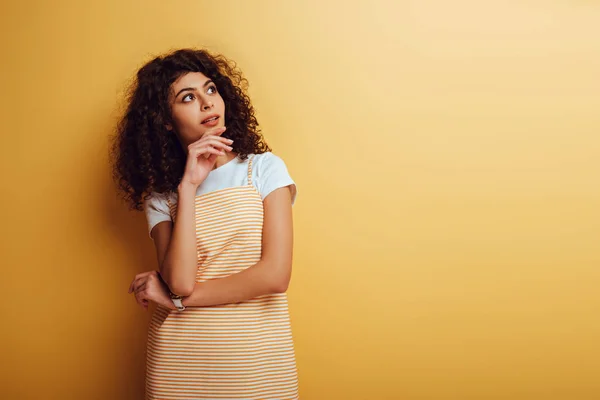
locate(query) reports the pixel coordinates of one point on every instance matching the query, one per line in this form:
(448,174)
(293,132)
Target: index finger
(215,132)
(138,276)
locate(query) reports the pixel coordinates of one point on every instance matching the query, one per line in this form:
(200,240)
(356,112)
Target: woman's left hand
(148,286)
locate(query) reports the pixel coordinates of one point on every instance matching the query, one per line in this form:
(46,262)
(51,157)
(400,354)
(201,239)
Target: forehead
(189,79)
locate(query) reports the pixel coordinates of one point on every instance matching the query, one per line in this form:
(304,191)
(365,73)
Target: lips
(210,119)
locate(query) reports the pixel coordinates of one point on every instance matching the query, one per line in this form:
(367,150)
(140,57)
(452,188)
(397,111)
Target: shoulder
(158,201)
(270,173)
(267,161)
(157,209)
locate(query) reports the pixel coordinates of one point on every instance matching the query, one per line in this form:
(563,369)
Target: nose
(207,105)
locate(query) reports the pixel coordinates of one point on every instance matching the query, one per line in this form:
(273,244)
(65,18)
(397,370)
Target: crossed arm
(271,274)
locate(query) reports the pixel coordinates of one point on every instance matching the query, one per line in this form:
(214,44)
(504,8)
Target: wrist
(192,298)
(186,187)
(176,302)
(169,304)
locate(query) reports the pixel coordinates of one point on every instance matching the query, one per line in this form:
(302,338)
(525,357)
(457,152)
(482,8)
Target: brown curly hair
(146,157)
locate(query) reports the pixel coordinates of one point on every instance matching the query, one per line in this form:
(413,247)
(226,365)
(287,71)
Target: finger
(211,139)
(140,288)
(138,283)
(217,139)
(207,150)
(220,150)
(220,142)
(220,146)
(141,299)
(142,274)
(144,301)
(210,152)
(133,285)
(211,158)
(225,143)
(202,148)
(215,131)
(137,299)
(210,149)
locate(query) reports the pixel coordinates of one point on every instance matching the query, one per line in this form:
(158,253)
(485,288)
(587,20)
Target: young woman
(218,203)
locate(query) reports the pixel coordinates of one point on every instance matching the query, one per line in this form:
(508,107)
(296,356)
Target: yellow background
(447,158)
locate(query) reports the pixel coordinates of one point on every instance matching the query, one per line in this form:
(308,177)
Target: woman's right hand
(202,155)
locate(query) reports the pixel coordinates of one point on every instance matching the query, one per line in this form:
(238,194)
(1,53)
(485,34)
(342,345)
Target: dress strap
(250,158)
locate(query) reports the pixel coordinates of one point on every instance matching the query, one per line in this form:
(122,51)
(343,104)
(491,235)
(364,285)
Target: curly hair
(145,156)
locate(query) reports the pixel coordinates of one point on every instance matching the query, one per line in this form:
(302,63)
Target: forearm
(260,279)
(180,263)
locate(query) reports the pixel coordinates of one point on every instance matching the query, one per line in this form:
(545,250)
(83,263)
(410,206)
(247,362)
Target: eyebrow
(208,82)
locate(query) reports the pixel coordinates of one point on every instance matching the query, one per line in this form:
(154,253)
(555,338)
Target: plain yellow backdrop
(447,159)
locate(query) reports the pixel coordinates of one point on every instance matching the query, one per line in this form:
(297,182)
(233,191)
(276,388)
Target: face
(196,107)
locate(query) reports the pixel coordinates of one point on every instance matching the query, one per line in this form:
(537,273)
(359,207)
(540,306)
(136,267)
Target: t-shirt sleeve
(271,174)
(157,210)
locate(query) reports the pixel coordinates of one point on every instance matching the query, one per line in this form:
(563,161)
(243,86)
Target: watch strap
(178,303)
(177,300)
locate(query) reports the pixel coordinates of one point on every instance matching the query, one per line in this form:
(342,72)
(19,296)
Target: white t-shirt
(268,173)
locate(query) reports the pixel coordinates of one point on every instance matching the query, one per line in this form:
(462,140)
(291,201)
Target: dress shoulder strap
(250,159)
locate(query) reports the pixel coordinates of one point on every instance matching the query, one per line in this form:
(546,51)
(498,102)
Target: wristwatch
(177,301)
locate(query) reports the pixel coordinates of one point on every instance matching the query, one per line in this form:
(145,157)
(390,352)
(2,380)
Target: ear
(169,127)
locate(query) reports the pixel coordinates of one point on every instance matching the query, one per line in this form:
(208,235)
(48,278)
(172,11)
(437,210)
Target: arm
(176,245)
(271,274)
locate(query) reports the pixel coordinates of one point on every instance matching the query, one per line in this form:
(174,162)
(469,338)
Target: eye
(187,96)
(212,89)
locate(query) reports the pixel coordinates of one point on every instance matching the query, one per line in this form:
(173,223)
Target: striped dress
(233,351)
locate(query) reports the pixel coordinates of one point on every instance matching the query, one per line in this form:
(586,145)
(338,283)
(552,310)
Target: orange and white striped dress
(234,351)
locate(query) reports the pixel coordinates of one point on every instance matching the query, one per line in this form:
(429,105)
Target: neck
(222,160)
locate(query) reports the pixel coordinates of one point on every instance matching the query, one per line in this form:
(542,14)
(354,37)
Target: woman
(218,203)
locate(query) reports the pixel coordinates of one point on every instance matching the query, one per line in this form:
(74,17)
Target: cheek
(221,103)
(184,116)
